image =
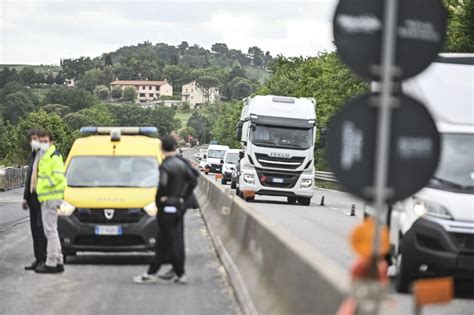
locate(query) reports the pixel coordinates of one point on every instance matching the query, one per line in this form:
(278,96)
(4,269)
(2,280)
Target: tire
(292,200)
(304,201)
(404,276)
(65,256)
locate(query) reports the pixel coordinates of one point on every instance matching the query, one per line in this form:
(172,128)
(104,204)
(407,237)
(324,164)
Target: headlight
(424,207)
(249,178)
(66,209)
(306,182)
(151,209)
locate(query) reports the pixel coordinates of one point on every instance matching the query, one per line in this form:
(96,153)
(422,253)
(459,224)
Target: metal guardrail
(325,176)
(11,177)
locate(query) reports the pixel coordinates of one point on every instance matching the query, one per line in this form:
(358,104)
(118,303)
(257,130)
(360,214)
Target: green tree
(460,37)
(223,129)
(201,125)
(164,119)
(58,109)
(116,92)
(129,94)
(75,98)
(186,131)
(220,48)
(101,91)
(98,115)
(15,106)
(90,80)
(108,60)
(28,75)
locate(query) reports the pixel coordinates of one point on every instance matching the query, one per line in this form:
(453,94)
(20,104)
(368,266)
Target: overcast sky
(42,32)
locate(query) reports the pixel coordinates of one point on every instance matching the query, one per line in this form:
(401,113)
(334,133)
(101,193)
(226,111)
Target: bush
(102,92)
(129,94)
(116,92)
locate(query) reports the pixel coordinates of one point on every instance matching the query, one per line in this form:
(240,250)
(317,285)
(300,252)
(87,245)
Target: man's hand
(24,205)
(164,199)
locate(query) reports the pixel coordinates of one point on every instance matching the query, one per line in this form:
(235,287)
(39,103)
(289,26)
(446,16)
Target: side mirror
(205,157)
(240,124)
(322,138)
(222,161)
(241,155)
(199,159)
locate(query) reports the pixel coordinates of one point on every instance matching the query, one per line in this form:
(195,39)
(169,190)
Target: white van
(215,158)
(432,232)
(231,160)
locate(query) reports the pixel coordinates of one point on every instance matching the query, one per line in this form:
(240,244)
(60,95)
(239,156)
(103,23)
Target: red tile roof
(138,82)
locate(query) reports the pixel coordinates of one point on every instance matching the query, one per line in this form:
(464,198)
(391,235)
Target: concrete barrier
(272,271)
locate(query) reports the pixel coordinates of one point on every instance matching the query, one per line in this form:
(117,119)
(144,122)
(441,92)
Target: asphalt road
(102,283)
(327,229)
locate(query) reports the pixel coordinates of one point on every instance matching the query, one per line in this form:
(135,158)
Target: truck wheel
(292,200)
(304,201)
(404,276)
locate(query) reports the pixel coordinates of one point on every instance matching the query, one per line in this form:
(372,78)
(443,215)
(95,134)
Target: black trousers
(169,244)
(36,225)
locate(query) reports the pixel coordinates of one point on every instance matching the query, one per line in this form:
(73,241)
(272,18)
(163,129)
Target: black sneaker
(32,266)
(42,268)
(60,268)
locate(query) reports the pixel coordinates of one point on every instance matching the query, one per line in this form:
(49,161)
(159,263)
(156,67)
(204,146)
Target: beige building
(194,95)
(146,90)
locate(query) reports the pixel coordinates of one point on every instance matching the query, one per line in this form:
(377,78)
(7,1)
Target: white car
(432,232)
(231,159)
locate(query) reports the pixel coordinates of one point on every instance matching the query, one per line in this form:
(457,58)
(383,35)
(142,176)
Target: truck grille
(98,216)
(277,162)
(278,179)
(463,241)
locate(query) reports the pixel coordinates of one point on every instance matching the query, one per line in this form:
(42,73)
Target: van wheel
(304,201)
(292,200)
(404,276)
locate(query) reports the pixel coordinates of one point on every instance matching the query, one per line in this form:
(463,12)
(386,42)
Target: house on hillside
(194,95)
(69,83)
(146,90)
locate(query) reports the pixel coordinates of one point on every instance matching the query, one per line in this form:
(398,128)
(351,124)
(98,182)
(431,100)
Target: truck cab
(278,137)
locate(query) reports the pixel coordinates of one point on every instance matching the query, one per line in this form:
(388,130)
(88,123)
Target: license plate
(108,230)
(278,180)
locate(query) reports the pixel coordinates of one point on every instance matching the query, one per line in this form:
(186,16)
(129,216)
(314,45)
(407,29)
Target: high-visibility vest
(51,179)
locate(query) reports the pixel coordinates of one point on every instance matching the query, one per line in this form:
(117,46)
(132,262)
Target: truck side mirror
(322,138)
(204,157)
(241,155)
(239,130)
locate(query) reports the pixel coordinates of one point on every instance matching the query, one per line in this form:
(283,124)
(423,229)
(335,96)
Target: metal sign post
(381,193)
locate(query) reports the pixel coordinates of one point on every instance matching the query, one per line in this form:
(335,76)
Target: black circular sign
(414,147)
(421,30)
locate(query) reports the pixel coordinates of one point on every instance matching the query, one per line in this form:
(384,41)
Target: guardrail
(11,177)
(325,176)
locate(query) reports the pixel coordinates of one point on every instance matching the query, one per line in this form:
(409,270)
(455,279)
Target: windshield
(267,136)
(216,154)
(112,171)
(232,158)
(456,166)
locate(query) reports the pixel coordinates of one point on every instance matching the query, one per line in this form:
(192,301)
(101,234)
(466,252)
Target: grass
(183,117)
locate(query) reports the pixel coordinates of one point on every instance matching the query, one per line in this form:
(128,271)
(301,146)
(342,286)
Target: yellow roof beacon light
(113,131)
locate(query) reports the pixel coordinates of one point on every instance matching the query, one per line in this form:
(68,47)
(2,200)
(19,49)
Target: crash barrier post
(12,177)
(271,271)
(322,201)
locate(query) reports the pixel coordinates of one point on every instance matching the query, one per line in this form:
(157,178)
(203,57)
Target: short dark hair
(32,132)
(46,133)
(169,143)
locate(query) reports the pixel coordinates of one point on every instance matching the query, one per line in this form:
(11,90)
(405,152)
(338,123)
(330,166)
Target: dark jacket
(191,202)
(31,159)
(177,182)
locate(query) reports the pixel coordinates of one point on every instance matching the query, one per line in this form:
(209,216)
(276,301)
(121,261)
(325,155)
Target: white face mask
(35,145)
(44,146)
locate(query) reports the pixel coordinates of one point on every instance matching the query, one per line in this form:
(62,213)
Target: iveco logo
(280,155)
(109,213)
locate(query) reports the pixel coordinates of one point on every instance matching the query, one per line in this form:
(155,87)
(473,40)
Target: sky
(43,32)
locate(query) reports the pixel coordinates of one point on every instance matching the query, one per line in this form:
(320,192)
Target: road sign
(414,147)
(420,34)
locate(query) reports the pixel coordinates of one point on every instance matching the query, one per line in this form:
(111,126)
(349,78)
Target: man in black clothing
(177,182)
(30,201)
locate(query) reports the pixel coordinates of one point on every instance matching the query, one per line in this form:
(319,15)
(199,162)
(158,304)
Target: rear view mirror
(322,138)
(241,155)
(222,161)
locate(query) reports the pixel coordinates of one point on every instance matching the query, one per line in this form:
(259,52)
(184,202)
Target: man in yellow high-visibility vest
(50,190)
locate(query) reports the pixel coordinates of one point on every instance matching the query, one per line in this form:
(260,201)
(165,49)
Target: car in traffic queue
(432,232)
(109,203)
(215,158)
(231,159)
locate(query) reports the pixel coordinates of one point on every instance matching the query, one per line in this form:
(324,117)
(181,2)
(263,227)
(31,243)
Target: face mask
(44,147)
(35,145)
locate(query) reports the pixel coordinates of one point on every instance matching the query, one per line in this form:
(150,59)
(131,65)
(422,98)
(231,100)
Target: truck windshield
(268,136)
(232,158)
(456,167)
(112,171)
(216,154)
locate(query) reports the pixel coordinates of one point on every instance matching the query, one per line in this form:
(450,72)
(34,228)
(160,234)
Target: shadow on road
(109,259)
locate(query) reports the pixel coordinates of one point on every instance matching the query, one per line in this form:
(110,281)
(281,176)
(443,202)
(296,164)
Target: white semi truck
(278,137)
